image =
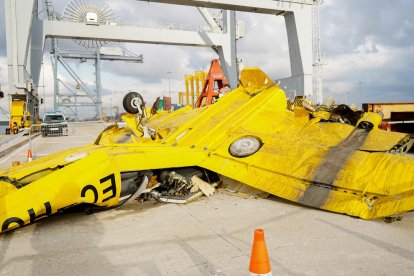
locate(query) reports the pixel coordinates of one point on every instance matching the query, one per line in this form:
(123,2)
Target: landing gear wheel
(133,103)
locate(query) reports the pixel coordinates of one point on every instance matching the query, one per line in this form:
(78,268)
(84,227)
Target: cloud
(366,56)
(363,41)
(158,60)
(346,24)
(265,44)
(368,42)
(385,73)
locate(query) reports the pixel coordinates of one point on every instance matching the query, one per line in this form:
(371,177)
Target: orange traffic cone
(259,259)
(29,155)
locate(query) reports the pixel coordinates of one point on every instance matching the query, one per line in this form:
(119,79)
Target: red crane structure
(214,82)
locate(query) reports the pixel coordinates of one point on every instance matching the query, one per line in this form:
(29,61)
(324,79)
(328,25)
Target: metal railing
(10,139)
(45,139)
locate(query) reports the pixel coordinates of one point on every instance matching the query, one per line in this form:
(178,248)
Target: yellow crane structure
(20,116)
(193,86)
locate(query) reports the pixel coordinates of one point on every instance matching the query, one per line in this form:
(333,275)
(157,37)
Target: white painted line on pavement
(4,159)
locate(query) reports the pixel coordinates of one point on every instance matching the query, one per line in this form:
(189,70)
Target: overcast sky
(369,42)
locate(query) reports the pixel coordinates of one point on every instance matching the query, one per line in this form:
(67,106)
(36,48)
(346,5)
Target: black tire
(130,102)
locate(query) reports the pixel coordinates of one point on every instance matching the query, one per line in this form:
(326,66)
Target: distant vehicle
(54,124)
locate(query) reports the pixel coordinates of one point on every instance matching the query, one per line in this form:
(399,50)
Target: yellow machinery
(115,117)
(181,96)
(249,135)
(193,86)
(20,116)
(104,118)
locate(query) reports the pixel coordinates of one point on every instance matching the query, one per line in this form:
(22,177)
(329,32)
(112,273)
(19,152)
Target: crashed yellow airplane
(249,135)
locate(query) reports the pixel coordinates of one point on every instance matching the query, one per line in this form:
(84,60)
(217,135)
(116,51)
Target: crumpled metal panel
(331,166)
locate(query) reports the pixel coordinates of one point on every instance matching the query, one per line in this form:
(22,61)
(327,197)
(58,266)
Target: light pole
(110,110)
(169,83)
(44,93)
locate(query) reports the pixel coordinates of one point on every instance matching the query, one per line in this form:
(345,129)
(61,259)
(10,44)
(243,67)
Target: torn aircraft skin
(249,135)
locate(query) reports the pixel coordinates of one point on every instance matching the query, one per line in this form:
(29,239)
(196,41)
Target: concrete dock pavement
(211,236)
(79,134)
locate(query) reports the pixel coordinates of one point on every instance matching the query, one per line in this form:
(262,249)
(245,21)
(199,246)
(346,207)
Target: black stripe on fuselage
(316,195)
